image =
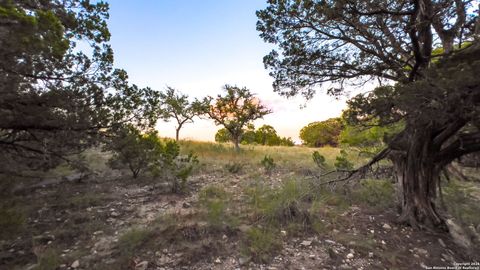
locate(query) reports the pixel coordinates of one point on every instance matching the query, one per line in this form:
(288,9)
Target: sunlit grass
(295,157)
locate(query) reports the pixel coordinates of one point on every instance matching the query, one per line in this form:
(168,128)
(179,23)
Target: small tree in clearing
(234,110)
(177,106)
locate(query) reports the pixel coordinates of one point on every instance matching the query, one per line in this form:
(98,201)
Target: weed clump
(215,200)
(375,193)
(48,260)
(234,167)
(261,244)
(268,164)
(131,240)
(319,160)
(342,162)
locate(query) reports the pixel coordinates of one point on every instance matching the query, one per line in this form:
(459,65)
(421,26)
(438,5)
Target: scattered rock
(141,265)
(284,233)
(75,264)
(421,251)
(218,261)
(386,226)
(442,243)
(370,254)
(243,261)
(186,205)
(350,256)
(306,243)
(458,234)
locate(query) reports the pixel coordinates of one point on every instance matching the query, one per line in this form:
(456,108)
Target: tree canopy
(234,110)
(264,135)
(177,106)
(318,134)
(337,43)
(56,99)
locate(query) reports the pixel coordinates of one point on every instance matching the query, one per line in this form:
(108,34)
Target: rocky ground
(79,225)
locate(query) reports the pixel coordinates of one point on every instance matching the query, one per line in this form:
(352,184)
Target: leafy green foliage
(223,136)
(141,152)
(234,110)
(318,134)
(268,164)
(319,160)
(56,99)
(265,135)
(135,150)
(342,162)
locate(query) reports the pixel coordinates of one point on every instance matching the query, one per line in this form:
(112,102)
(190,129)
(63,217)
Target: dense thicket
(264,135)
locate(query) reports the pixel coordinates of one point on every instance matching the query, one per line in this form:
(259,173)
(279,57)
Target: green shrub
(375,193)
(342,162)
(261,244)
(319,160)
(268,164)
(234,167)
(215,201)
(142,152)
(281,205)
(131,240)
(48,260)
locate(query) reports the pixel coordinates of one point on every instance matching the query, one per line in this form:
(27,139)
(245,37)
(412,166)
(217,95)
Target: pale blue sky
(197,47)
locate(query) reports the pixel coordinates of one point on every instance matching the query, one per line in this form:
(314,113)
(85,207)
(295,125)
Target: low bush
(319,160)
(261,244)
(342,162)
(215,201)
(234,167)
(375,193)
(268,164)
(146,152)
(131,240)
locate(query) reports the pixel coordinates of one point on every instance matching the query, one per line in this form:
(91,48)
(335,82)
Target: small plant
(214,200)
(375,193)
(132,240)
(234,167)
(47,260)
(342,162)
(319,160)
(268,164)
(261,244)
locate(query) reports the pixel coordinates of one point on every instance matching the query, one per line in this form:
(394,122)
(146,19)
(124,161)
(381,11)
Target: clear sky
(197,46)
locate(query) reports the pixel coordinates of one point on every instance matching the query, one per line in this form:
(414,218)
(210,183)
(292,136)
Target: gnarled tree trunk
(418,178)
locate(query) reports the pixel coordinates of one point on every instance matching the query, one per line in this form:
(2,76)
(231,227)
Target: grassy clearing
(291,158)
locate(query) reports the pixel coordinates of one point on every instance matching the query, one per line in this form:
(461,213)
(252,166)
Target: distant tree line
(264,135)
